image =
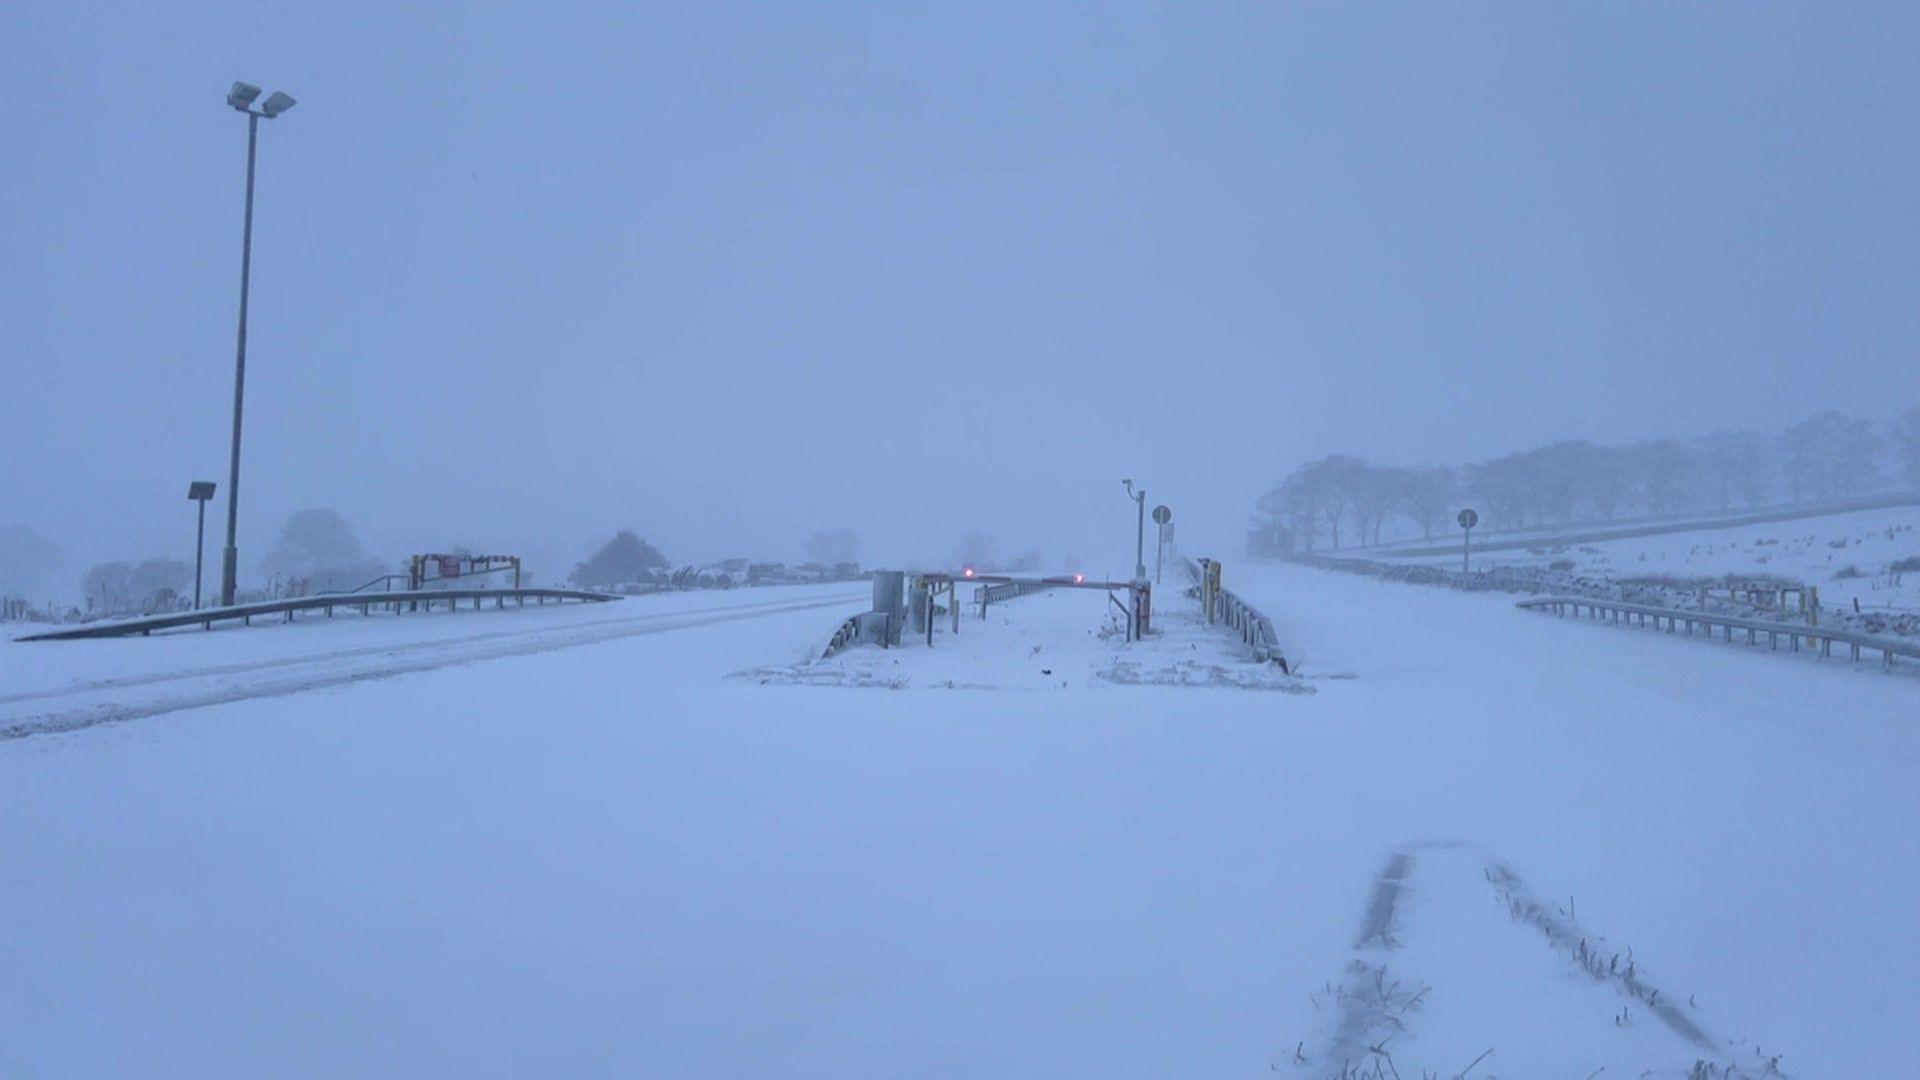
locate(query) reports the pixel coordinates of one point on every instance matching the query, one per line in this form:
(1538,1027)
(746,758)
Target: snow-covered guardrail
(847,634)
(1254,628)
(1673,619)
(1248,621)
(411,600)
(1008,590)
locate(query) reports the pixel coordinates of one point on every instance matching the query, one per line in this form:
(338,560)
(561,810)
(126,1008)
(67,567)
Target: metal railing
(847,634)
(1673,620)
(366,602)
(1253,626)
(386,580)
(1000,592)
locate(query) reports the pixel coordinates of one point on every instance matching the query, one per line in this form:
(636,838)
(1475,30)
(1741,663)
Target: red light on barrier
(1078,578)
(968,571)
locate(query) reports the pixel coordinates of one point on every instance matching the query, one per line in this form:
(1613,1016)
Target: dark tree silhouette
(624,558)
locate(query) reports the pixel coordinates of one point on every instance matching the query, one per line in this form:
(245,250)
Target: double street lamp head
(240,97)
(243,95)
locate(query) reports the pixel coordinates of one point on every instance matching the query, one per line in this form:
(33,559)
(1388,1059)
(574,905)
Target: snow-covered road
(614,859)
(290,664)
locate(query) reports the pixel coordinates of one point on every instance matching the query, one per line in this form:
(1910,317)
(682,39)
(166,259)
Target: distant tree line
(1344,500)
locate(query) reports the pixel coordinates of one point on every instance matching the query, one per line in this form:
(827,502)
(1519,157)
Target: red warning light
(968,571)
(1078,578)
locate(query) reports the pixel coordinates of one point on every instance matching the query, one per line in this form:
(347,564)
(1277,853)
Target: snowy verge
(1053,640)
(1674,593)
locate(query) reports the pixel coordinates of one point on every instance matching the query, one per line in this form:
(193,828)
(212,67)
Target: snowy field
(672,852)
(1848,556)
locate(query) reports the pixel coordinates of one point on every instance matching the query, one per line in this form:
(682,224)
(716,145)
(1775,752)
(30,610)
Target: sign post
(199,491)
(1161,516)
(1468,519)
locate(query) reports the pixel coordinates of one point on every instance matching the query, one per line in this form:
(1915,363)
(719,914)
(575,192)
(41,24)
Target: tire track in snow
(425,656)
(1374,1006)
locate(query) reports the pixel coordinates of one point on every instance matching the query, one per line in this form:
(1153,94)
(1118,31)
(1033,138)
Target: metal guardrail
(847,634)
(364,601)
(1007,590)
(1673,619)
(1001,592)
(1253,626)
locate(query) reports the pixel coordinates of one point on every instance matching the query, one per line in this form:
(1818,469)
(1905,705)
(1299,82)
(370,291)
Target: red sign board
(449,566)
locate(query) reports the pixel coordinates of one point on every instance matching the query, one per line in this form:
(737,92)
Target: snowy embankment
(1491,540)
(623,859)
(1866,566)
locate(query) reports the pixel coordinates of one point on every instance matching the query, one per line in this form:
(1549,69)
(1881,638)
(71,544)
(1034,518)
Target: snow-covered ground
(1061,640)
(65,685)
(664,854)
(1847,555)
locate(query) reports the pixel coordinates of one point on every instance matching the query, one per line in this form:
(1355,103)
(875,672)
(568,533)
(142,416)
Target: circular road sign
(1468,519)
(1162,515)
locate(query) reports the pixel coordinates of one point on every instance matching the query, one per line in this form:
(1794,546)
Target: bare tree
(107,586)
(1736,464)
(28,561)
(1661,471)
(1426,495)
(1830,454)
(319,547)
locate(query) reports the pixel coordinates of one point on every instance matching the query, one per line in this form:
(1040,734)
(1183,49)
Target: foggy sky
(728,276)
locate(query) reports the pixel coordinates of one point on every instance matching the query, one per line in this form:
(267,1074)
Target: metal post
(199,550)
(1466,546)
(1140,536)
(1159,552)
(230,564)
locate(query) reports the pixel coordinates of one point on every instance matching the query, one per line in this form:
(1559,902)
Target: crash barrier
(412,600)
(847,634)
(901,599)
(880,626)
(927,586)
(1674,619)
(1220,605)
(1007,590)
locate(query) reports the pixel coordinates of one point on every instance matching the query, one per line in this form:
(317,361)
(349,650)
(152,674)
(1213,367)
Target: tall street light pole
(1140,531)
(241,97)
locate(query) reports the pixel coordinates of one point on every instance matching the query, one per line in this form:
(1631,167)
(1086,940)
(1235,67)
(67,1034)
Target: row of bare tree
(1343,499)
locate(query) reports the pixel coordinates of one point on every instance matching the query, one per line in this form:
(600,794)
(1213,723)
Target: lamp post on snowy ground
(1140,531)
(241,97)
